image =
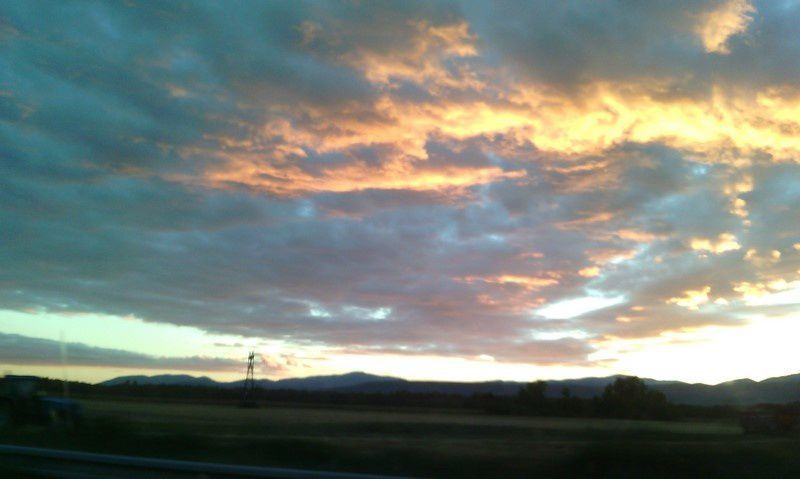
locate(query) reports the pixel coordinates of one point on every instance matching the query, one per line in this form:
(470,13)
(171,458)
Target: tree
(531,397)
(569,405)
(628,397)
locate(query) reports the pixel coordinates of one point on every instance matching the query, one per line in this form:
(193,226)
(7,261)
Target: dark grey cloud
(578,42)
(24,350)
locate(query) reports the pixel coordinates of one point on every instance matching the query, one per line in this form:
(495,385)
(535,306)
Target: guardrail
(84,465)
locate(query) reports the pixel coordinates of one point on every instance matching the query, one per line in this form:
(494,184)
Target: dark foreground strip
(83,465)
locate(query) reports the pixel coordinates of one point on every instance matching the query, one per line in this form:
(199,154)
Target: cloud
(724,242)
(417,177)
(561,352)
(24,350)
(289,179)
(722,21)
(526,282)
(692,299)
(589,271)
(423,60)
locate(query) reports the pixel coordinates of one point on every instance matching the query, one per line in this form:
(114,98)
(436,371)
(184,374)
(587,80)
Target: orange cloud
(606,255)
(254,171)
(422,61)
(589,272)
(604,115)
(743,185)
(717,25)
(601,117)
(762,260)
(738,206)
(638,236)
(528,282)
(692,299)
(751,293)
(724,242)
(403,125)
(589,120)
(589,219)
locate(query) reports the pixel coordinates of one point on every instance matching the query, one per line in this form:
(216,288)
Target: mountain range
(738,392)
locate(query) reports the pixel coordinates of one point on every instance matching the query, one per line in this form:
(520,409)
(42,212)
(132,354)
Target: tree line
(625,398)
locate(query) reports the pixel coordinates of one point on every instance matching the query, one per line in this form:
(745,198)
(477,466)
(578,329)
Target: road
(60,464)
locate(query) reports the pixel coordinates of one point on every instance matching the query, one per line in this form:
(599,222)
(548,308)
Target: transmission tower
(249,392)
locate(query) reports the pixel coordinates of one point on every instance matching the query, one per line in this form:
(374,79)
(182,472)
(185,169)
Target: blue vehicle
(21,403)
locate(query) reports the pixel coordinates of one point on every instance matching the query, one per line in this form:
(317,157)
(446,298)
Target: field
(424,444)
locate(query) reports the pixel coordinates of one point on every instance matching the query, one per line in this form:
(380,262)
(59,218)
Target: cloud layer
(23,350)
(415,178)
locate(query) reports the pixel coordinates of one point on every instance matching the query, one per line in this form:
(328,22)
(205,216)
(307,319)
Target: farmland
(428,444)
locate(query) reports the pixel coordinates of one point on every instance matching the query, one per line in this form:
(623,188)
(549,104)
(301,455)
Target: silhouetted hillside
(738,392)
(171,379)
(342,381)
(501,388)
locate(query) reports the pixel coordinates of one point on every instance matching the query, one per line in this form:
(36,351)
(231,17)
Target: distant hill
(341,381)
(311,383)
(738,392)
(402,385)
(172,379)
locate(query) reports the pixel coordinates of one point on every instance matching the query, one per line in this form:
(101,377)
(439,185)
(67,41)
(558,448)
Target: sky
(433,190)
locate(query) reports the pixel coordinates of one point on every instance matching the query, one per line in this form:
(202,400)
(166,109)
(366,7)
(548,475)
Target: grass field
(423,444)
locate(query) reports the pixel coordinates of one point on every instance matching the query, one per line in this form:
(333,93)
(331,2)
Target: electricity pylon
(249,392)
